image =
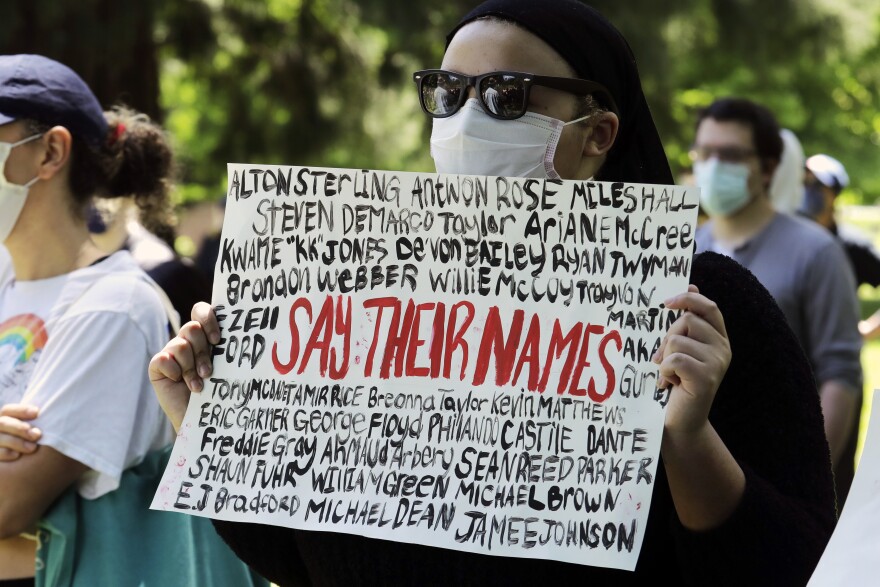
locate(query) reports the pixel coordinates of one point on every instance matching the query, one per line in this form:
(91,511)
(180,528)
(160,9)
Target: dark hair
(765,129)
(135,160)
(585,105)
(596,51)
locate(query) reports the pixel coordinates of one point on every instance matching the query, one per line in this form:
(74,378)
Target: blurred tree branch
(327,82)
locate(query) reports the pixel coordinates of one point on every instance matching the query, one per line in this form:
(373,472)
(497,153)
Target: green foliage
(308,82)
(791,55)
(327,82)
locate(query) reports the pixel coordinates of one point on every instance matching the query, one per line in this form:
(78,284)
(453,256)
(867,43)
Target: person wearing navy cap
(77,327)
(57,151)
(550,89)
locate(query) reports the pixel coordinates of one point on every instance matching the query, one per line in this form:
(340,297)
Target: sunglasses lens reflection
(503,95)
(441,93)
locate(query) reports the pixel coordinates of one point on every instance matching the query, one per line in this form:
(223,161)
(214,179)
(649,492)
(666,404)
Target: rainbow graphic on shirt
(24,335)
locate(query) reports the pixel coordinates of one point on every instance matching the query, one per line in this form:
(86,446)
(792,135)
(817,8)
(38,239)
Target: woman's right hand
(693,358)
(182,366)
(17,437)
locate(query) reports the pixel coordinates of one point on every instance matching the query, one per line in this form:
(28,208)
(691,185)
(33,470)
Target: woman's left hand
(693,358)
(17,437)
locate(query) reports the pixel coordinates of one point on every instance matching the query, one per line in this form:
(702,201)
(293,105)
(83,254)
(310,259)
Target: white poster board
(455,361)
(853,553)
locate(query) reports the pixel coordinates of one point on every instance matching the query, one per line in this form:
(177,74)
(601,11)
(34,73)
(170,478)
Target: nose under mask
(471,142)
(724,187)
(12,196)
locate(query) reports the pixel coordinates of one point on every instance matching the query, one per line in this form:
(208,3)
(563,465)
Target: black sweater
(766,411)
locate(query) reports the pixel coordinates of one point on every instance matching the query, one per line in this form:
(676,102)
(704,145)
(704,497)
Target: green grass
(870,302)
(867,220)
(871,368)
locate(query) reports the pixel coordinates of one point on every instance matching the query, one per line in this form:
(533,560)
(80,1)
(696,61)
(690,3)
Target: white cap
(829,171)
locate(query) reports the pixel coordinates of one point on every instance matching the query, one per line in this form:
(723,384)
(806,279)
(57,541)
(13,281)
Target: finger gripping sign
(455,361)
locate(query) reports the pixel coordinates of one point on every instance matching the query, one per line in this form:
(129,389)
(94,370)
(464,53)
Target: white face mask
(12,196)
(470,142)
(724,187)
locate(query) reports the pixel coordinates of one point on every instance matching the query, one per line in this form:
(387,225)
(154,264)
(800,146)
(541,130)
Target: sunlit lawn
(871,366)
(866,219)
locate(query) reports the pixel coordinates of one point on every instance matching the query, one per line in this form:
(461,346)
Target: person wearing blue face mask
(551,89)
(824,178)
(736,150)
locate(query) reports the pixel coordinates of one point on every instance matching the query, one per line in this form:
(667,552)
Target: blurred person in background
(134,223)
(786,187)
(205,222)
(736,150)
(825,177)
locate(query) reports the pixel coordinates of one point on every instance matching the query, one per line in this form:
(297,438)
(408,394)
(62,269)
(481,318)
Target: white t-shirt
(5,265)
(77,346)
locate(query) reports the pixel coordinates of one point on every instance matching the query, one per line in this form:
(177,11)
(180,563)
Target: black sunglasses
(728,154)
(502,94)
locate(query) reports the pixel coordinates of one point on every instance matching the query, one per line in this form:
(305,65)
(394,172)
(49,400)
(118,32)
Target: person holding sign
(742,497)
(77,329)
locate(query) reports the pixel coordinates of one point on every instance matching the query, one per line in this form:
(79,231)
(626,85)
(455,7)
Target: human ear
(57,142)
(768,169)
(603,132)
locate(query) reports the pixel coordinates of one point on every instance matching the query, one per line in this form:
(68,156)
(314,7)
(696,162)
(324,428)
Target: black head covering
(598,52)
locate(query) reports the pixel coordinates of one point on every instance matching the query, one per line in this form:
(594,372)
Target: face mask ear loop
(586,116)
(554,142)
(27,140)
(22,142)
(550,152)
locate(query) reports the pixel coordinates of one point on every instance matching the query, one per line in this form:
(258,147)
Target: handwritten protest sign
(461,362)
(854,549)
